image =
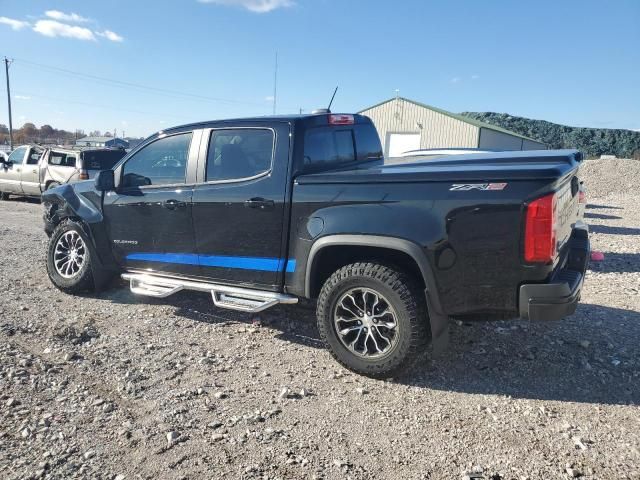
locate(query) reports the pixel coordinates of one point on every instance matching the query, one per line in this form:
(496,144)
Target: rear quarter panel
(472,239)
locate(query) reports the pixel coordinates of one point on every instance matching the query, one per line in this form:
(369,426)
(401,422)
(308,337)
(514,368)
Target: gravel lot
(113,386)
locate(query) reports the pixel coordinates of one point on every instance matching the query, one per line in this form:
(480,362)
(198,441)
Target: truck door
(239,204)
(30,172)
(148,218)
(10,171)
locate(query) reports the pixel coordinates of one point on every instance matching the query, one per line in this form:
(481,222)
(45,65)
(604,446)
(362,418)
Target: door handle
(260,203)
(173,204)
(34,171)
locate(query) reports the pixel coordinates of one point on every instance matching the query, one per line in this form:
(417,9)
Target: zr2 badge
(465,187)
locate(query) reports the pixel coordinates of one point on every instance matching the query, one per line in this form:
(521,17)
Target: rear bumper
(558,298)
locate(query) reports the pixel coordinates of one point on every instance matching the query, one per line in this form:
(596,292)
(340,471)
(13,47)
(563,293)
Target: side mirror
(105,181)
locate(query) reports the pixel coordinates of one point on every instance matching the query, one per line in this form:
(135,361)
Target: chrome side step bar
(224,296)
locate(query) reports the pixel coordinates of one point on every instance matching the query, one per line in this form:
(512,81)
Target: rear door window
(34,156)
(239,153)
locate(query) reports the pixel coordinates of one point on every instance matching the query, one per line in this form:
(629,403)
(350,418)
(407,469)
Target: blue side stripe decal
(242,263)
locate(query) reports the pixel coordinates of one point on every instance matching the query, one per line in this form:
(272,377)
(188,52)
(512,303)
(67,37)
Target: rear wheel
(69,259)
(373,318)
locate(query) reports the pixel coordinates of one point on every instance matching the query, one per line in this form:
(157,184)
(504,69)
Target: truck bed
(466,212)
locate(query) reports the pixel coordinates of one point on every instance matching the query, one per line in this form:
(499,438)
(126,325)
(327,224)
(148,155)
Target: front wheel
(4,196)
(69,259)
(373,318)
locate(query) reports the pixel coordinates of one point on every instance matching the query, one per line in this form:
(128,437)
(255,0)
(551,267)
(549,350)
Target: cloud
(53,28)
(58,28)
(13,23)
(256,6)
(269,98)
(22,97)
(109,35)
(66,17)
(475,77)
(455,80)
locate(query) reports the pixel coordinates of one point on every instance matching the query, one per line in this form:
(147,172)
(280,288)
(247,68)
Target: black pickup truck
(265,211)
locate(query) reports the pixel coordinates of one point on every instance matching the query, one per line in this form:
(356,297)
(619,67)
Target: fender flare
(437,318)
(392,243)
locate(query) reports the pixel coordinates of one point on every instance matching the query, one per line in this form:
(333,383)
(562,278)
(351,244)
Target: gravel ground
(117,387)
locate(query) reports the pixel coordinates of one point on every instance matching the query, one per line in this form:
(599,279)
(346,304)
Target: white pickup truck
(32,169)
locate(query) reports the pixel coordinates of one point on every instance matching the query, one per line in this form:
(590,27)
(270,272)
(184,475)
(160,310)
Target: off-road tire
(404,295)
(83,280)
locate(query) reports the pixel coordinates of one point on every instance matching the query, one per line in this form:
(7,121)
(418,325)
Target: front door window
(163,162)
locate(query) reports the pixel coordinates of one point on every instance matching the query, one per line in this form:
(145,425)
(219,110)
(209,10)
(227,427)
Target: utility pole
(6,71)
(275,85)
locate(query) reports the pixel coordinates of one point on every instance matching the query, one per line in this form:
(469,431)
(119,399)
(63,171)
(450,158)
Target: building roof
(462,118)
(98,139)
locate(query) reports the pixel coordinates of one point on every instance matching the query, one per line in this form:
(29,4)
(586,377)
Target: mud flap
(101,277)
(439,328)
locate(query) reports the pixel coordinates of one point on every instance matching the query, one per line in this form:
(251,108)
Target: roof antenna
(332,97)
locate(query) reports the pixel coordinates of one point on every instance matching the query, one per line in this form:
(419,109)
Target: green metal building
(405,125)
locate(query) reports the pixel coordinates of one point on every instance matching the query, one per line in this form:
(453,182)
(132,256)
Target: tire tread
(85,282)
(413,304)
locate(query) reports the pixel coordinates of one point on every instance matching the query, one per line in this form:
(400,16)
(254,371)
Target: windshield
(102,159)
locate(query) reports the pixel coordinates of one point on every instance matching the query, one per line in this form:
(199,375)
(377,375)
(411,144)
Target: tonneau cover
(517,165)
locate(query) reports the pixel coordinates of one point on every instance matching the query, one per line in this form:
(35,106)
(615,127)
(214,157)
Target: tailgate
(567,210)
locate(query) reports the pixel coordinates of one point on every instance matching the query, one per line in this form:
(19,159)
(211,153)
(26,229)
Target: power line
(123,84)
(95,105)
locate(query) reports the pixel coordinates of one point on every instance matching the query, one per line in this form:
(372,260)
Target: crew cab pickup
(265,211)
(32,169)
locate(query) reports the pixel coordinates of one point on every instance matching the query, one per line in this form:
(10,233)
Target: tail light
(341,119)
(540,230)
(84,175)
